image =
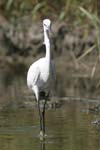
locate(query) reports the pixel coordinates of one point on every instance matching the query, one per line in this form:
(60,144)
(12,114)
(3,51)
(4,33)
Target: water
(68,127)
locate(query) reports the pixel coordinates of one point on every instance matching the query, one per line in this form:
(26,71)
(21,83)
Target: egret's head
(47,24)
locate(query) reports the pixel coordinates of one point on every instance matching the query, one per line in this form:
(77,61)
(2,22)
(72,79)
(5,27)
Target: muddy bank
(21,43)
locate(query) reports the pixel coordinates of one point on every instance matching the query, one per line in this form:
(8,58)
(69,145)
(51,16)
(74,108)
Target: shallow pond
(68,127)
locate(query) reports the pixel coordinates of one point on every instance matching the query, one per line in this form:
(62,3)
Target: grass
(57,9)
(76,12)
(95,21)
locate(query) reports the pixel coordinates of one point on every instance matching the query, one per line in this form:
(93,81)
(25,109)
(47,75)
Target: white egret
(40,74)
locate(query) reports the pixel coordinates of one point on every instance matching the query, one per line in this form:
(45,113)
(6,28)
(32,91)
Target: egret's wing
(36,75)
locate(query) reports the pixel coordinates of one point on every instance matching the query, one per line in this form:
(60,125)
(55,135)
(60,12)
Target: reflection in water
(42,145)
(68,127)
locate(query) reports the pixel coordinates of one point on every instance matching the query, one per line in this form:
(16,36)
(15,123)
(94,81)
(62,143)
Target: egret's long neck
(47,44)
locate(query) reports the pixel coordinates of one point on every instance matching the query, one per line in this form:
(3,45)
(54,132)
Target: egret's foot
(42,135)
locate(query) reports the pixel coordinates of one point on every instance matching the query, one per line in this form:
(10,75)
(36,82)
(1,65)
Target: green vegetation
(79,36)
(95,21)
(57,9)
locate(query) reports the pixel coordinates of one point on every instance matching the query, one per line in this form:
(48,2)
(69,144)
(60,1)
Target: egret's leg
(36,91)
(43,117)
(41,107)
(40,117)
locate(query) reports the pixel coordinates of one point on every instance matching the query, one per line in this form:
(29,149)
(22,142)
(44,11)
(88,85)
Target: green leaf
(37,7)
(95,20)
(8,5)
(62,16)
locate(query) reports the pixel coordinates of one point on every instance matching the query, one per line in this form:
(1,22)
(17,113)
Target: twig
(87,52)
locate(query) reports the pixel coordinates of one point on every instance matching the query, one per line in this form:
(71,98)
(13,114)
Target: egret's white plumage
(41,71)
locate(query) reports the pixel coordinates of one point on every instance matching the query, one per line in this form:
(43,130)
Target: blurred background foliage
(76,44)
(61,9)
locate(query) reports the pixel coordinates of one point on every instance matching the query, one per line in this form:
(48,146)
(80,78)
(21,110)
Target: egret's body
(40,74)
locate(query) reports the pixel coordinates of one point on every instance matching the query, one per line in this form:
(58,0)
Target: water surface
(68,127)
